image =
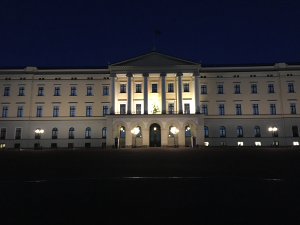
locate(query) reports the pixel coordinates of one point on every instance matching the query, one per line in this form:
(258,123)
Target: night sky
(92,33)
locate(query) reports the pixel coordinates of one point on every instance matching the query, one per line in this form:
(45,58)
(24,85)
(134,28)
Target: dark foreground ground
(150,186)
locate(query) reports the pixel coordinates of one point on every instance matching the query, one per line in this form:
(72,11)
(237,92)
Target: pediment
(154,59)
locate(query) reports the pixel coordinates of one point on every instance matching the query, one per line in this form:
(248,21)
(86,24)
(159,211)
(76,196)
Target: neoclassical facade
(154,93)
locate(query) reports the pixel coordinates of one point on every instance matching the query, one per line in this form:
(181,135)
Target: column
(179,75)
(163,93)
(145,75)
(112,93)
(129,75)
(196,92)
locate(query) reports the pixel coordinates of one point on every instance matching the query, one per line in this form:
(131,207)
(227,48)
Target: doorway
(155,135)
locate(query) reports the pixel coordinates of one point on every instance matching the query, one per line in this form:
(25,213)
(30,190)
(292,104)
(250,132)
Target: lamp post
(135,131)
(174,131)
(39,132)
(273,130)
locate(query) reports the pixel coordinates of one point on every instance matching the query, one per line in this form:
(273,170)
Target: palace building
(153,100)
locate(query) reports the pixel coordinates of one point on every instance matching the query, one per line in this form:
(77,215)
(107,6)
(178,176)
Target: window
(105,110)
(106,90)
(255,109)
(253,88)
(88,133)
(293,108)
(257,131)
(186,87)
(239,131)
(203,89)
(270,88)
(222,131)
(54,133)
(138,108)
(204,109)
(122,88)
(257,143)
(89,111)
(104,132)
(237,89)
(221,109)
(71,133)
(18,133)
(187,131)
(21,91)
(73,91)
(56,91)
(72,111)
(186,108)
(206,131)
(20,111)
(138,88)
(170,87)
(40,91)
(5,111)
(290,87)
(295,131)
(240,143)
(220,89)
(238,109)
(154,88)
(170,133)
(6,91)
(89,90)
(122,132)
(39,111)
(275,133)
(171,108)
(139,134)
(3,133)
(55,111)
(122,108)
(272,109)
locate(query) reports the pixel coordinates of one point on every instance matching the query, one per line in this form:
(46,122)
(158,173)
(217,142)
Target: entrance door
(155,136)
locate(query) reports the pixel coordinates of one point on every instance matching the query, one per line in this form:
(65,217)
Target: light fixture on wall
(39,132)
(174,131)
(135,131)
(273,130)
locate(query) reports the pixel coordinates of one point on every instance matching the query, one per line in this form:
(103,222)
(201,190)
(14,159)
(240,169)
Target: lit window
(240,143)
(206,131)
(187,131)
(257,143)
(239,131)
(295,143)
(104,132)
(122,132)
(206,143)
(222,132)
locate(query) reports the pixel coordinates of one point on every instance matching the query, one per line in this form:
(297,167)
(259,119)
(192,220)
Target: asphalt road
(150,186)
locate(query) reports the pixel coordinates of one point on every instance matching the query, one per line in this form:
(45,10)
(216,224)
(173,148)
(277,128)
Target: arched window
(205,131)
(122,132)
(239,131)
(54,133)
(140,132)
(188,131)
(104,132)
(222,131)
(88,132)
(256,131)
(71,133)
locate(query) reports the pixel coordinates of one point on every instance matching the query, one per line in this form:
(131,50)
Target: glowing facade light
(39,132)
(273,129)
(135,131)
(174,130)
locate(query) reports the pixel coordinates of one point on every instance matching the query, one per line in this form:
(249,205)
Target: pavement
(213,185)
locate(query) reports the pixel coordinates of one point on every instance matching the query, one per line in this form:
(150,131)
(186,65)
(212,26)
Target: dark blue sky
(91,33)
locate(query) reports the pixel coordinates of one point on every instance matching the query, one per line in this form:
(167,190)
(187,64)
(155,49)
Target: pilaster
(145,75)
(129,99)
(163,93)
(179,75)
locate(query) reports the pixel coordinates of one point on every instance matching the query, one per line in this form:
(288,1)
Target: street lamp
(135,131)
(39,132)
(174,131)
(273,130)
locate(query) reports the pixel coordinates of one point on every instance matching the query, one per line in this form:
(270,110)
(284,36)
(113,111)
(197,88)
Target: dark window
(106,90)
(138,108)
(272,109)
(56,91)
(204,109)
(122,88)
(89,111)
(222,132)
(237,89)
(72,111)
(5,111)
(290,87)
(170,87)
(187,131)
(295,131)
(73,91)
(3,133)
(253,88)
(221,109)
(122,108)
(21,91)
(6,91)
(138,88)
(171,108)
(20,111)
(18,133)
(89,90)
(122,132)
(55,111)
(186,87)
(88,132)
(238,109)
(186,108)
(71,133)
(39,111)
(239,131)
(220,89)
(40,91)
(206,131)
(257,131)
(154,88)
(105,110)
(255,109)
(293,108)
(203,89)
(54,133)
(270,88)
(104,132)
